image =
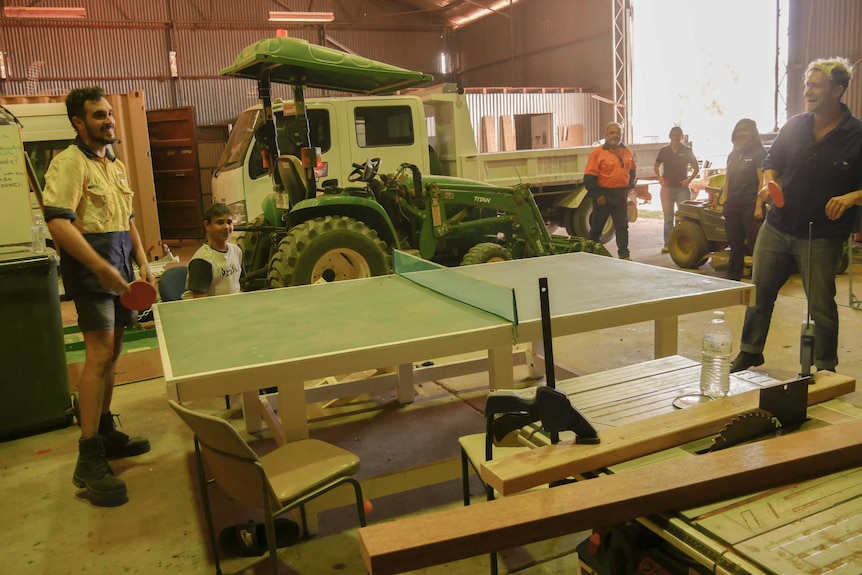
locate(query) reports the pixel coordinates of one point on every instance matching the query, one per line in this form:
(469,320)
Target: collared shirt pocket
(100,207)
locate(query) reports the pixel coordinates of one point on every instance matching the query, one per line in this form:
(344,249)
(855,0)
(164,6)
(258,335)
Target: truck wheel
(577,222)
(255,246)
(484,253)
(688,245)
(328,249)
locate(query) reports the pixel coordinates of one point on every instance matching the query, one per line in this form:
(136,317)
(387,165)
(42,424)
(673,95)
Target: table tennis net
(483,295)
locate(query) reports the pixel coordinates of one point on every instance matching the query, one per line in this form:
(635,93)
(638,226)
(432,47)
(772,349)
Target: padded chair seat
(285,478)
(295,467)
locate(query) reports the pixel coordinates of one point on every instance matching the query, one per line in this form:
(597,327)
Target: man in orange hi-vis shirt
(609,176)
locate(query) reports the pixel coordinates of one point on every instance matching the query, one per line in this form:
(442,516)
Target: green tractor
(309,233)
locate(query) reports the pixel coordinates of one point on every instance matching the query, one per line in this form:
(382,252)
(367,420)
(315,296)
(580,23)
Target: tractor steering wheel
(364,172)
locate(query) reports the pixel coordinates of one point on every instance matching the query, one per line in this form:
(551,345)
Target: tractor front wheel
(327,249)
(484,253)
(688,246)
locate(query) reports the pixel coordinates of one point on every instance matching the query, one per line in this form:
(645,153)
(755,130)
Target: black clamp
(508,411)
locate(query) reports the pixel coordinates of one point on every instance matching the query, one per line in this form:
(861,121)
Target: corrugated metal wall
(545,43)
(557,43)
(567,109)
(123,45)
(823,29)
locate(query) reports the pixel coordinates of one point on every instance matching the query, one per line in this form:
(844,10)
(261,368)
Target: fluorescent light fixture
(45,12)
(301,17)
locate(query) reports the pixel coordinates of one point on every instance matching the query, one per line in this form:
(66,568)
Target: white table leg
(406,391)
(536,357)
(251,411)
(291,411)
(666,336)
(500,368)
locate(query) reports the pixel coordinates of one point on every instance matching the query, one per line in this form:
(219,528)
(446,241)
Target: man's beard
(100,137)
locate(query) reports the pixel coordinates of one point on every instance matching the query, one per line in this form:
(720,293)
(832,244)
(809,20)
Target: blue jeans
(671,197)
(775,254)
(738,224)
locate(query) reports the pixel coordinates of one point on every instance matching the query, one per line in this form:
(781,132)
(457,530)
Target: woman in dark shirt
(741,184)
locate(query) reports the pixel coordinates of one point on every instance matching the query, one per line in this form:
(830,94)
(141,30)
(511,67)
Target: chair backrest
(715,189)
(172,283)
(231,462)
(292,178)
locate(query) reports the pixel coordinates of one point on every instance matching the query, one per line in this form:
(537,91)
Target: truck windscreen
(240,137)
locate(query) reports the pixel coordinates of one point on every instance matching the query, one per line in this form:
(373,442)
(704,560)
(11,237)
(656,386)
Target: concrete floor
(50,528)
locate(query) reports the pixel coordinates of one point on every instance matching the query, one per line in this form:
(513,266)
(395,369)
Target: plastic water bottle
(38,231)
(716,349)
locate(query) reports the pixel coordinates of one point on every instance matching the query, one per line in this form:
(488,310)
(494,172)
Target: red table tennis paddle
(776,193)
(140,296)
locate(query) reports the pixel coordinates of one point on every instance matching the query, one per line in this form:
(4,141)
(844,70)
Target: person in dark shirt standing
(671,166)
(608,177)
(817,160)
(742,206)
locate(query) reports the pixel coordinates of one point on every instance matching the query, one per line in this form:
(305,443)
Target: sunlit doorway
(704,65)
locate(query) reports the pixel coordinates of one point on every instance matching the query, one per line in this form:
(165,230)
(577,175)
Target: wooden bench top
(643,426)
(461,532)
(648,425)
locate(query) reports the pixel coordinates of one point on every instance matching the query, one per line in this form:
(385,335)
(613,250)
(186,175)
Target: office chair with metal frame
(288,477)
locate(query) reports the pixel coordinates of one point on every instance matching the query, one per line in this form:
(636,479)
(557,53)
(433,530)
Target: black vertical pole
(548,342)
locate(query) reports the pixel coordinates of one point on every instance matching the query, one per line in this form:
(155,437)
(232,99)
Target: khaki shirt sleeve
(65,181)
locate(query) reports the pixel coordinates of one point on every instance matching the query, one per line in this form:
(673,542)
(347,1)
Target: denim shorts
(101,311)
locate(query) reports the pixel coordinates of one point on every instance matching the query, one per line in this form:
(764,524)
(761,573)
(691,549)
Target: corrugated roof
(449,12)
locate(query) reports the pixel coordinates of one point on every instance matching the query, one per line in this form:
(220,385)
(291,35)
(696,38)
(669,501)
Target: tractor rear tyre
(255,246)
(577,222)
(484,253)
(327,249)
(688,246)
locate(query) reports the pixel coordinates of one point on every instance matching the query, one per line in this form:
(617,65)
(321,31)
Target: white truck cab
(429,128)
(346,131)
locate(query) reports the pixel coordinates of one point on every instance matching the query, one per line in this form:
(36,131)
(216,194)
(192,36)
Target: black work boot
(744,360)
(94,473)
(117,443)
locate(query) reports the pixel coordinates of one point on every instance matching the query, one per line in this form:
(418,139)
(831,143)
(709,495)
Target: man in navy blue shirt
(817,160)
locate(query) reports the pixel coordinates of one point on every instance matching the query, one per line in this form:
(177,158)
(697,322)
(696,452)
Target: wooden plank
(507,133)
(554,462)
(489,134)
(461,532)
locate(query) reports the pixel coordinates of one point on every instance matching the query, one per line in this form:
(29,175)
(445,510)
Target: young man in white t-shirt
(216,267)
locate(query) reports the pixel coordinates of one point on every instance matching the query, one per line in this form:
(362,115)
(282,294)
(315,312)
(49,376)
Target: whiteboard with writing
(14,188)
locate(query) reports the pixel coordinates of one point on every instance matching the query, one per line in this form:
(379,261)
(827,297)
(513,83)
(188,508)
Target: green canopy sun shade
(292,61)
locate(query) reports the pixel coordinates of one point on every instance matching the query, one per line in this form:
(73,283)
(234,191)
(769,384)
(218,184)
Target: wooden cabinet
(173,147)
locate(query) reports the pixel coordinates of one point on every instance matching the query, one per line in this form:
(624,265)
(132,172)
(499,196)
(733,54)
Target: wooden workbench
(668,480)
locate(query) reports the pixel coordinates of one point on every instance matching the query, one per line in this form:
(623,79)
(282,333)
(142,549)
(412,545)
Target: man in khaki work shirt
(88,208)
(609,176)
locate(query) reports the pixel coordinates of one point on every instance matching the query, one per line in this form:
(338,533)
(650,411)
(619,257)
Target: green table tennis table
(282,338)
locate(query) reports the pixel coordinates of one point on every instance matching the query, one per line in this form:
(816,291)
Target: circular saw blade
(745,427)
